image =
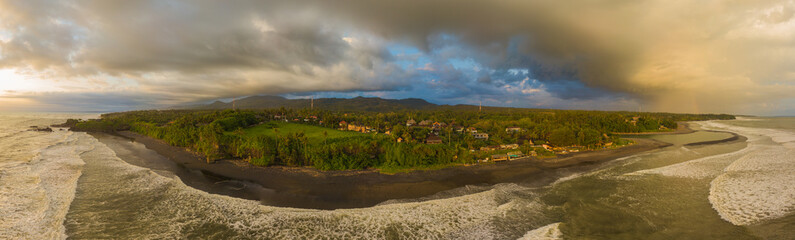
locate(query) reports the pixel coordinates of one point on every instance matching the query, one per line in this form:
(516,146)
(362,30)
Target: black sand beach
(311,188)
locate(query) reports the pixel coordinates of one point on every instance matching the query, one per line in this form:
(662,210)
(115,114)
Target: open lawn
(313,133)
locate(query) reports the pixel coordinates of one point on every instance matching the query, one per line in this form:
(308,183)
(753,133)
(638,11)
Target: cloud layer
(679,56)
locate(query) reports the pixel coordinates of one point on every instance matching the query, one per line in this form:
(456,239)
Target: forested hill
(332,104)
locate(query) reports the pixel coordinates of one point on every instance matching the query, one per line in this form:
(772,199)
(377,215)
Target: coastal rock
(39,129)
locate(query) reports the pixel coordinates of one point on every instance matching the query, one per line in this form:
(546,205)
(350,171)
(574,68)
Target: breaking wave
(39,173)
(749,186)
(705,167)
(548,232)
(760,185)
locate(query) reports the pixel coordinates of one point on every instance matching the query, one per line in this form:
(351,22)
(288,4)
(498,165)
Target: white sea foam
(782,137)
(761,184)
(757,187)
(710,166)
(750,185)
(548,232)
(38,171)
(605,170)
(465,190)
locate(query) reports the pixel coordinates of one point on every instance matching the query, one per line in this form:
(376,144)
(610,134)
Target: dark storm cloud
(674,55)
(166,35)
(205,49)
(205,36)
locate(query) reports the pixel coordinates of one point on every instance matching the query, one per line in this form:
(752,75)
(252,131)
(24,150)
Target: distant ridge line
(372,104)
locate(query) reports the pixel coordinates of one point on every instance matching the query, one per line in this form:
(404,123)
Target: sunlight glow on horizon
(11,81)
(14,82)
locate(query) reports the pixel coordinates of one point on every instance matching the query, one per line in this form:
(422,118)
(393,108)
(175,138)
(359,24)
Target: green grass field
(313,133)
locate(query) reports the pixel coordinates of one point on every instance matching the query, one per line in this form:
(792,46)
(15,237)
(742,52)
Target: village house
(459,129)
(352,127)
(634,121)
(509,146)
(438,125)
(399,139)
(499,157)
(515,154)
(425,123)
(357,128)
(477,135)
(410,123)
(433,139)
(472,130)
(513,129)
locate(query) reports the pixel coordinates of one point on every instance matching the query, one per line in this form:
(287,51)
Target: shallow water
(63,184)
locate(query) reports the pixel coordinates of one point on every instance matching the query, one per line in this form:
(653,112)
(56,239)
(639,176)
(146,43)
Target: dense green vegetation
(315,134)
(303,137)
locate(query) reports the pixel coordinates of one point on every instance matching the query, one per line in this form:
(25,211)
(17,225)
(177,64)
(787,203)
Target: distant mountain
(372,104)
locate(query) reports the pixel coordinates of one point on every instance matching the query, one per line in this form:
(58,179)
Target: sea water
(38,175)
(63,184)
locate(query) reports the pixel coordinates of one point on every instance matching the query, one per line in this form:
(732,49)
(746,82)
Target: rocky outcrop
(40,129)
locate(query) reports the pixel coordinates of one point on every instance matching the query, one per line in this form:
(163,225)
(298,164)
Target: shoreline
(306,187)
(734,137)
(681,128)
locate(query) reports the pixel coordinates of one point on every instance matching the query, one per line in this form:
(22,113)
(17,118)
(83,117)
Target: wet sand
(307,187)
(735,137)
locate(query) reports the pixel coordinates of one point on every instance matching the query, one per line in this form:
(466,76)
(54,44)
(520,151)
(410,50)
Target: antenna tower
(480,107)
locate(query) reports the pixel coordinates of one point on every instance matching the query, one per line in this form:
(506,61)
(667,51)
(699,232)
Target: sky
(706,56)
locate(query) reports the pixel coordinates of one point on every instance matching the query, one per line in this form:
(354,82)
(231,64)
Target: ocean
(61,184)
